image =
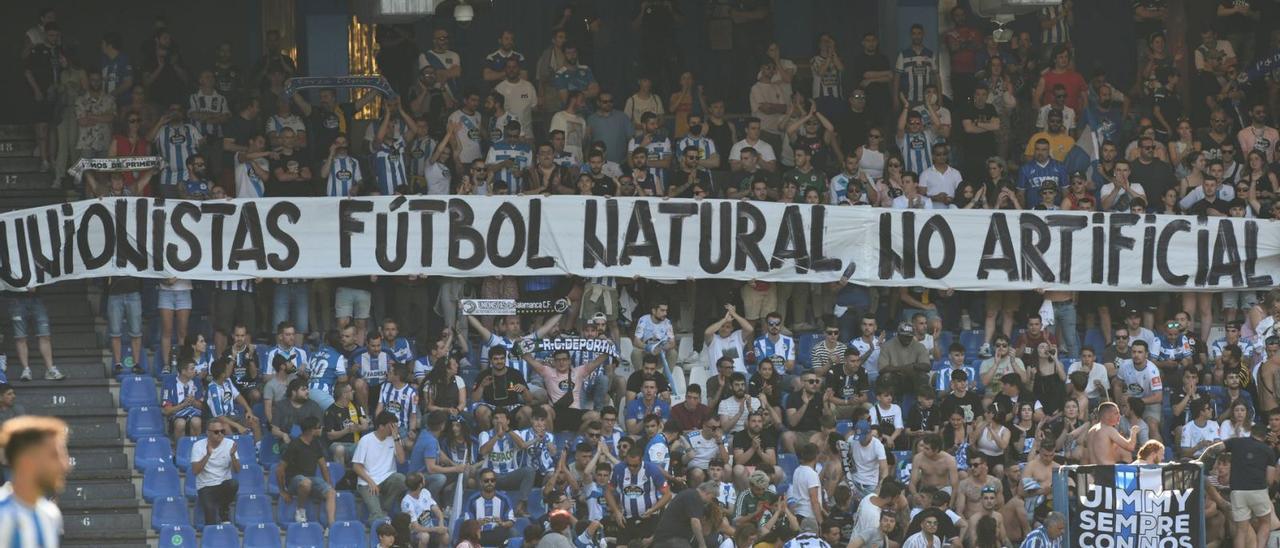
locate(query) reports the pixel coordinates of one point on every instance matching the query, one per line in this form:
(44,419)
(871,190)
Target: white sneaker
(300,515)
(26,374)
(54,375)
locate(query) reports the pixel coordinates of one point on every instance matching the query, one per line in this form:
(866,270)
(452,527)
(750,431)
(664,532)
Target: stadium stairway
(101,504)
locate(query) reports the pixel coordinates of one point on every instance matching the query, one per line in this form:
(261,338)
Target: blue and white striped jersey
(706,147)
(542,452)
(497,126)
(401,402)
(521,157)
(785,346)
(296,355)
(504,458)
(222,399)
(401,349)
(595,497)
(235,285)
(248,183)
(637,491)
(915,71)
(489,511)
(176,392)
(418,156)
(214,103)
(659,149)
(1058,32)
(343,176)
(175,144)
(324,369)
(373,367)
(22,526)
(915,150)
(388,166)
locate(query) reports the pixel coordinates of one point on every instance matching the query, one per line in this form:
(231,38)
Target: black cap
(1078,175)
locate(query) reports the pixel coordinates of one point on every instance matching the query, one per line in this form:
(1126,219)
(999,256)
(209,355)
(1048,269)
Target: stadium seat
(788,462)
(152,451)
(373,531)
(804,348)
(145,421)
(972,340)
(251,481)
(182,455)
(945,338)
(252,510)
(268,451)
(515,542)
(246,448)
(1094,337)
(304,535)
(336,471)
(189,486)
(220,536)
(517,530)
(537,506)
(169,511)
(161,481)
(262,535)
(138,391)
(345,510)
(347,534)
(273,486)
(177,536)
(285,511)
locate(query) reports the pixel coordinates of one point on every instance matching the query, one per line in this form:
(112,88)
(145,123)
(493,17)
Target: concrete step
(122,526)
(17,131)
(27,191)
(90,491)
(68,395)
(96,460)
(17,148)
(96,429)
(21,164)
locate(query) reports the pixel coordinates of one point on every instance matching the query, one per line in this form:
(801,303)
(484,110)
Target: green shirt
(814,179)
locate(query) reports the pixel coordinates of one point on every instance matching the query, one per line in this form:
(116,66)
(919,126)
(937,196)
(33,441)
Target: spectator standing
(917,68)
(212,461)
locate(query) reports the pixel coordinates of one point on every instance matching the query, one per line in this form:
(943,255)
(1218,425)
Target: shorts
(174,299)
(477,404)
(599,299)
(930,314)
(1003,300)
(758,304)
(42,111)
(319,487)
(1153,413)
(121,307)
(1253,503)
(352,303)
(231,307)
(22,308)
(1239,300)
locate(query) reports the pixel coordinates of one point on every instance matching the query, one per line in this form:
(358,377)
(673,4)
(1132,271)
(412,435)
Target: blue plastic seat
(268,451)
(273,486)
(161,481)
(152,451)
(521,524)
(285,512)
(804,348)
(304,535)
(515,542)
(145,421)
(972,340)
(336,471)
(1093,337)
(220,536)
(177,536)
(169,511)
(138,391)
(262,535)
(945,338)
(246,448)
(347,534)
(253,510)
(345,508)
(182,454)
(190,489)
(788,462)
(250,479)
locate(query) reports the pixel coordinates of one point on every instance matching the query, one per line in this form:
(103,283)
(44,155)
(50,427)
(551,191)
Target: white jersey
(22,526)
(419,508)
(1140,384)
(468,136)
(248,183)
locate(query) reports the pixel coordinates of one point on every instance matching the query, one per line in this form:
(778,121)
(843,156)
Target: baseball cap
(599,317)
(988,489)
(861,430)
(905,328)
(1077,174)
(759,479)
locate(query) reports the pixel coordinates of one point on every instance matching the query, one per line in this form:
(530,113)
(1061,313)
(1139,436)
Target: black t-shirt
(756,385)
(499,391)
(877,93)
(978,145)
(852,128)
(921,419)
(239,130)
(338,418)
(636,382)
(323,126)
(122,285)
(300,458)
(1156,177)
(970,405)
(603,185)
(812,414)
(846,385)
(674,522)
(293,163)
(701,177)
(742,440)
(1249,461)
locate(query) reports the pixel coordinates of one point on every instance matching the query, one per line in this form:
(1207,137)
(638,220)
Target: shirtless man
(933,467)
(1104,444)
(988,505)
(974,485)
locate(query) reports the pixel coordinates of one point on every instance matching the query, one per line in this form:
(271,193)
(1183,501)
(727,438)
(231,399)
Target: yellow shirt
(1059,145)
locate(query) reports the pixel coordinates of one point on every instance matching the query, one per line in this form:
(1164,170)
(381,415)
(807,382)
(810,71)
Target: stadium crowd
(802,414)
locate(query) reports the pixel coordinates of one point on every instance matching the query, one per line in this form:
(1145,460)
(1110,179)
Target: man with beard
(905,362)
(566,388)
(708,156)
(753,448)
(735,409)
(292,409)
(197,186)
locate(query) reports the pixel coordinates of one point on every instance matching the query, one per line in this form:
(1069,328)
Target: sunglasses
(774,323)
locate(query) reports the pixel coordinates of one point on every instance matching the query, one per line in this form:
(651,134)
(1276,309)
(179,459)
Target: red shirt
(1071,80)
(689,419)
(965,59)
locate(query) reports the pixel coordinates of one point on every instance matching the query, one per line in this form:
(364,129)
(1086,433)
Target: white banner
(648,238)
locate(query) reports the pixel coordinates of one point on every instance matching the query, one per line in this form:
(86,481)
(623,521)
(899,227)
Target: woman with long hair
(893,176)
(991,437)
(1049,383)
(689,99)
(1260,177)
(469,534)
(955,437)
(1073,428)
(1024,428)
(131,140)
(1001,96)
(1239,423)
(986,536)
(195,349)
(1194,166)
(767,385)
(871,156)
(444,390)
